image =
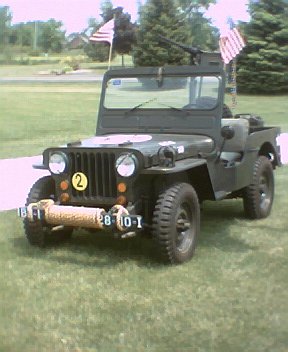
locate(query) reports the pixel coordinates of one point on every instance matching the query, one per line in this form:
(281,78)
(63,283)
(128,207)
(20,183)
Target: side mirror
(227,132)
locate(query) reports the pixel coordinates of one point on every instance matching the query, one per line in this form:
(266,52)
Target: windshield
(158,92)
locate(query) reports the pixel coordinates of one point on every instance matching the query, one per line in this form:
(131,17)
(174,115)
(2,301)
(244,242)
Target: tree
(124,33)
(165,18)
(5,25)
(203,34)
(107,10)
(21,34)
(99,51)
(24,34)
(263,65)
(51,37)
(96,51)
(190,6)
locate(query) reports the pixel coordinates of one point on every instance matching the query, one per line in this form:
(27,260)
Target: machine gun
(197,56)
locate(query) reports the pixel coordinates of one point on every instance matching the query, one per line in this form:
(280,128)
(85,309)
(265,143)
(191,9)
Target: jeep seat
(234,147)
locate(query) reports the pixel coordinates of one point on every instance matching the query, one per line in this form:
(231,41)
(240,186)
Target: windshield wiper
(187,112)
(139,105)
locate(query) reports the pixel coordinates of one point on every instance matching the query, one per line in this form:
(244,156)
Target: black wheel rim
(265,192)
(184,228)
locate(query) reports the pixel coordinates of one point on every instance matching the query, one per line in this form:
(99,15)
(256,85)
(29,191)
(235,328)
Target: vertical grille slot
(92,183)
(100,171)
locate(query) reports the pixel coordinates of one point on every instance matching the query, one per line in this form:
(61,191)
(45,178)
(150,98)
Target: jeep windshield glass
(173,92)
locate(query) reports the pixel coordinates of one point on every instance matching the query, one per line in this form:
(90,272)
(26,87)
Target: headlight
(126,165)
(57,163)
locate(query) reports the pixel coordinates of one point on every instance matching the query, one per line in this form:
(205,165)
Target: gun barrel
(197,56)
(191,50)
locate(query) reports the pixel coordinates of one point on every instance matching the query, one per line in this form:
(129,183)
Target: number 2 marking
(79,181)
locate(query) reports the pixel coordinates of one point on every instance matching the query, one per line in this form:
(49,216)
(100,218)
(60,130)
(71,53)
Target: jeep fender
(264,143)
(193,171)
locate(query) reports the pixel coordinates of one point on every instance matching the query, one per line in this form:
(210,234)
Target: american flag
(104,33)
(231,43)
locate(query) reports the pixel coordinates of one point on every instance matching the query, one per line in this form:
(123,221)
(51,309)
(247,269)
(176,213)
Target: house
(77,41)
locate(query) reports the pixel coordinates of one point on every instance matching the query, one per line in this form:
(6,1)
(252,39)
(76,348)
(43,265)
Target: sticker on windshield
(116,82)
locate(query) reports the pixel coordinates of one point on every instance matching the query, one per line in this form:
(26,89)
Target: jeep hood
(149,144)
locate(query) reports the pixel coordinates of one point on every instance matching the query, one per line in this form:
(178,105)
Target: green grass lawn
(100,294)
(273,109)
(36,116)
(96,293)
(35,69)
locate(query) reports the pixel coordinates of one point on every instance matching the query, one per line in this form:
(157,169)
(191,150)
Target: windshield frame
(164,119)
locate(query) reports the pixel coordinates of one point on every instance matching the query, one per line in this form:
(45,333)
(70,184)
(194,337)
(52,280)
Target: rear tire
(36,232)
(259,195)
(176,223)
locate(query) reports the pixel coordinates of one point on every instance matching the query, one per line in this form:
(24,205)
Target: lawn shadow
(220,223)
(94,249)
(103,250)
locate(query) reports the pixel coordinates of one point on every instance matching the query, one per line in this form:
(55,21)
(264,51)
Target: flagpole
(231,44)
(111,46)
(105,34)
(110,54)
(234,83)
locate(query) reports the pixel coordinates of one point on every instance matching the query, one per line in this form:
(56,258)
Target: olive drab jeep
(164,144)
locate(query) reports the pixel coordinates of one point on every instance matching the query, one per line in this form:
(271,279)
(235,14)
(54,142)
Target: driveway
(16,178)
(78,77)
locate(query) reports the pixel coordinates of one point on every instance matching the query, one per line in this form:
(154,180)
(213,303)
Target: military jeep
(165,142)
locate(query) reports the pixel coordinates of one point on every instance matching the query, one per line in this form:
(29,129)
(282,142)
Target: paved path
(75,77)
(17,176)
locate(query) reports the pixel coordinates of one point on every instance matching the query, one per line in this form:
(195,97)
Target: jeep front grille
(99,168)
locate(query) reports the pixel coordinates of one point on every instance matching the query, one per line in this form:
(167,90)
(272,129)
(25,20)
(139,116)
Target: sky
(75,13)
(223,9)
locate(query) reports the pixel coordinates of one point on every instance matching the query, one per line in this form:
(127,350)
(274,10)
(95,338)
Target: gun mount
(197,56)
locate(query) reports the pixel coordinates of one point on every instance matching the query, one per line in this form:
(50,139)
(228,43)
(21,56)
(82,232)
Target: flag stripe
(104,33)
(239,37)
(225,50)
(231,44)
(234,50)
(235,44)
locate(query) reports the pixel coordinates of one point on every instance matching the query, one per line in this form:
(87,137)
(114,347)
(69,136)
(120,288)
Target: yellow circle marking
(79,181)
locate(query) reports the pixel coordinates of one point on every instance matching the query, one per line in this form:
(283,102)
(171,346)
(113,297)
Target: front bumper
(46,211)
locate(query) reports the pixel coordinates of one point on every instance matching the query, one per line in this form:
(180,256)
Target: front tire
(176,223)
(36,232)
(259,195)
